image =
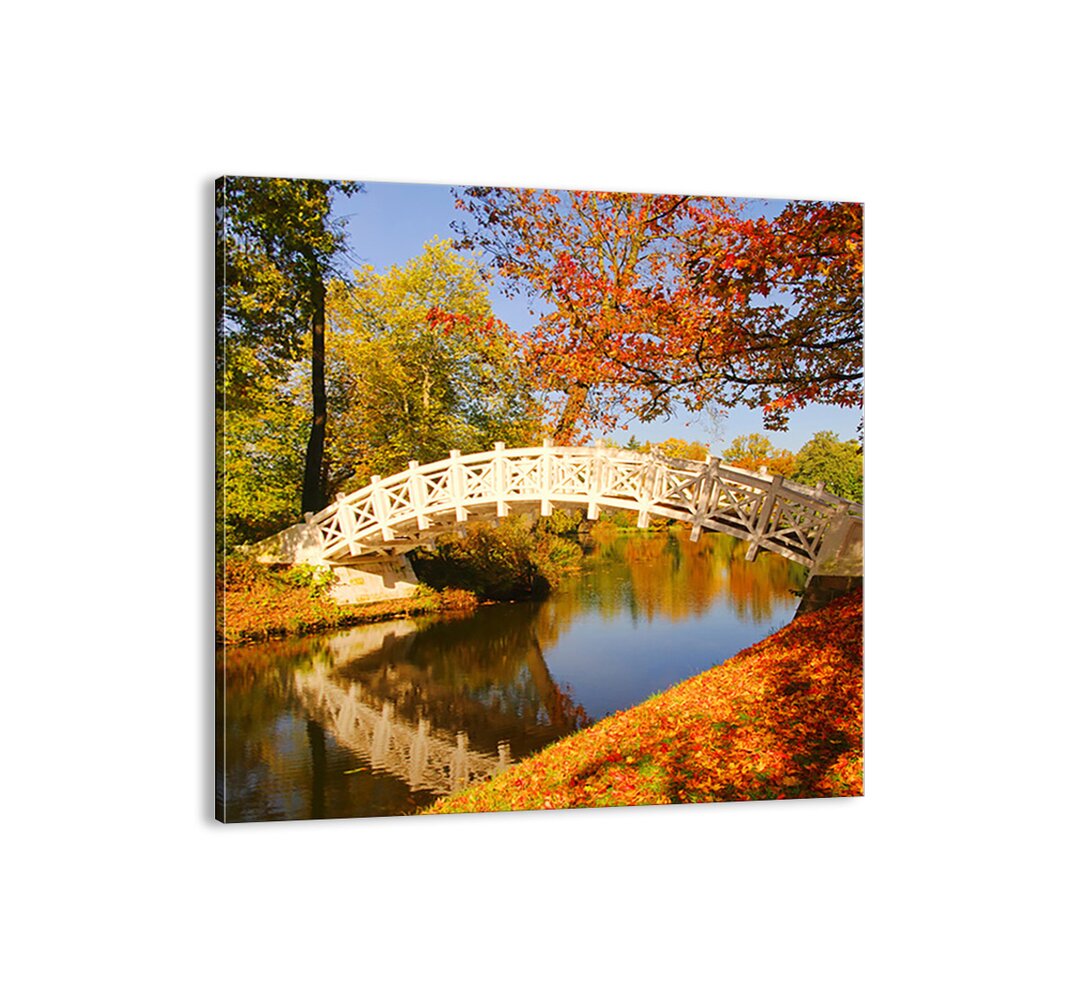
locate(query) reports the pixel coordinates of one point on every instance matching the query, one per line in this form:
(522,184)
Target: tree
(261,457)
(658,300)
(780,317)
(678,448)
(838,464)
(278,248)
(419,366)
(752,451)
(592,258)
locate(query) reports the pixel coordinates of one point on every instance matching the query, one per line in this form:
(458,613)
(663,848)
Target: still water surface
(383,719)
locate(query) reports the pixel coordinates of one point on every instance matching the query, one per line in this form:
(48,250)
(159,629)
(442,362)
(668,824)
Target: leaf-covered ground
(782,719)
(255,603)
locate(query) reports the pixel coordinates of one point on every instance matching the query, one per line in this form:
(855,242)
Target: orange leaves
(662,299)
(782,719)
(459,323)
(603,261)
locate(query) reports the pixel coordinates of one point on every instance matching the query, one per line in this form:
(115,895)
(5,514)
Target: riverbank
(782,719)
(255,603)
(512,560)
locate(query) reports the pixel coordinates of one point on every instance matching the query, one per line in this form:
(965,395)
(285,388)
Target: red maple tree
(654,301)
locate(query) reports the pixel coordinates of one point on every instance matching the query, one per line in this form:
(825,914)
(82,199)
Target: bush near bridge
(256,602)
(782,719)
(509,560)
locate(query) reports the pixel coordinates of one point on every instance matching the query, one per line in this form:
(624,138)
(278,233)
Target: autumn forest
(639,323)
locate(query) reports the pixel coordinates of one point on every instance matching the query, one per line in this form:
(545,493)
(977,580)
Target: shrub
(504,561)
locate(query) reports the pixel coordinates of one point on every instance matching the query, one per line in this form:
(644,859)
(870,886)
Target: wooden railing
(398,513)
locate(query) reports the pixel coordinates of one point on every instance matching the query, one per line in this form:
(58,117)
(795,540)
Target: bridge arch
(391,516)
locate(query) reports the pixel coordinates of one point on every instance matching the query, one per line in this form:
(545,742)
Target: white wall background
(954,876)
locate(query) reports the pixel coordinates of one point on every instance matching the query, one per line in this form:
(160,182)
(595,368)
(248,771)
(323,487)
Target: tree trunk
(313,481)
(571,414)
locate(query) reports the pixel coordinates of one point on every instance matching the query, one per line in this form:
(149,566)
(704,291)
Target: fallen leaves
(782,719)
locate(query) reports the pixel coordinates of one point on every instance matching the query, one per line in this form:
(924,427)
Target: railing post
(346,517)
(382,508)
(648,487)
(309,520)
(457,486)
(596,485)
(499,462)
(704,499)
(547,459)
(761,523)
(418,496)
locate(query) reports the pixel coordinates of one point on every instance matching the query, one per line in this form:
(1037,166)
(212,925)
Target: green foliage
(277,244)
(276,249)
(399,387)
(562,522)
(673,447)
(404,387)
(838,464)
(504,561)
(624,520)
(316,580)
(262,465)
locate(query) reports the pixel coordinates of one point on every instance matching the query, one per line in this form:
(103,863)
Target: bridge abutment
(839,568)
(361,581)
(374,580)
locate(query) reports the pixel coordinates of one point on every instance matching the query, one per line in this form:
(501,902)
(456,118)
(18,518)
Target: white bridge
(394,515)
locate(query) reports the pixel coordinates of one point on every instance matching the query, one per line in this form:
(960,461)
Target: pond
(382,719)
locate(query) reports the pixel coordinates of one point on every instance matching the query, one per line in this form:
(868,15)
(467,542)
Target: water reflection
(665,574)
(382,719)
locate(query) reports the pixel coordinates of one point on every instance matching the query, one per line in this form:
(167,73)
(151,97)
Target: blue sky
(390,223)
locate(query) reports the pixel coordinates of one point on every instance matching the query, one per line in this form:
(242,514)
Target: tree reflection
(664,574)
(381,719)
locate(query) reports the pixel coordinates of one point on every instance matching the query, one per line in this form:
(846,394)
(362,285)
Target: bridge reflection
(415,752)
(435,705)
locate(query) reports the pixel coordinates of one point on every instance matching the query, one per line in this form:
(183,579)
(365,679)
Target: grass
(782,719)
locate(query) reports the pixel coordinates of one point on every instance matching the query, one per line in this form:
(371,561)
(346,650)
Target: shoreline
(780,719)
(263,605)
(271,610)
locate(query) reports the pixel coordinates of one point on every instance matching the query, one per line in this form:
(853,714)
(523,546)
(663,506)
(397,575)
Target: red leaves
(658,299)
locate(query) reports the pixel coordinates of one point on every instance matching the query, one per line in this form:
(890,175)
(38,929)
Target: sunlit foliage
(674,447)
(649,302)
(277,248)
(838,464)
(754,451)
(418,366)
(775,309)
(502,561)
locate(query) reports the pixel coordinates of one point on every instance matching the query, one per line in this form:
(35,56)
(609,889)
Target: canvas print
(535,499)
